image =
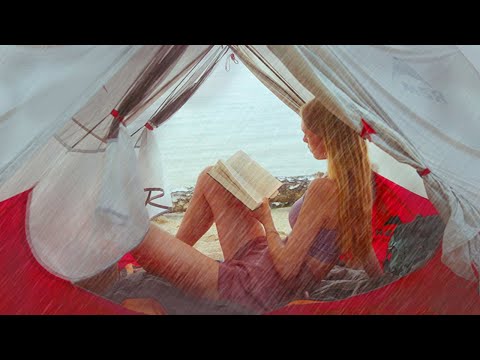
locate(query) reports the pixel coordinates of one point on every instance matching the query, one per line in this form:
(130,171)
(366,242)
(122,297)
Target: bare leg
(162,254)
(212,203)
(173,258)
(197,219)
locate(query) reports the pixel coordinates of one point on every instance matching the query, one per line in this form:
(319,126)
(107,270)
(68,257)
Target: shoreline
(292,189)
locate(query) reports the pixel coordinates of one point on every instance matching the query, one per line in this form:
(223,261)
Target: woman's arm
(288,257)
(276,244)
(372,265)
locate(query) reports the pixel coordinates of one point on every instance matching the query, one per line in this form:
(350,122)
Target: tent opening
(132,127)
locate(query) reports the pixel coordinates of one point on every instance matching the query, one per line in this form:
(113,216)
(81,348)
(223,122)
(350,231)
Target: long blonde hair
(349,167)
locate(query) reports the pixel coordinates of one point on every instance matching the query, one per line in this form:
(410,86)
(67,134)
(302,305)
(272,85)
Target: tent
(79,165)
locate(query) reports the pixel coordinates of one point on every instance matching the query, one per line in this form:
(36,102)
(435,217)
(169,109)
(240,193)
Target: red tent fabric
(432,289)
(394,201)
(26,287)
(127,259)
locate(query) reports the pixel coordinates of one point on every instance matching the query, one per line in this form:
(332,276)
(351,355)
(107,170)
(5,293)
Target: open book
(245,179)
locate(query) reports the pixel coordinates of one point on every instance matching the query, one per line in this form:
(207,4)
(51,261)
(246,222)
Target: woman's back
(325,246)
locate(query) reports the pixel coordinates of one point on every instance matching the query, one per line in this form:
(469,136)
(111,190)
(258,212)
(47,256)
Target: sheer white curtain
(153,180)
(87,209)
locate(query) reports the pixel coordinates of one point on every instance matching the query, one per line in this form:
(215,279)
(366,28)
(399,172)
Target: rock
(292,189)
(181,199)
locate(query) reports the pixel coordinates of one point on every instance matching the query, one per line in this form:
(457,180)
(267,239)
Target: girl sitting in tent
(261,271)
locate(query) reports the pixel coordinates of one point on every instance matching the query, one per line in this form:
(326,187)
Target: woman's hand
(263,212)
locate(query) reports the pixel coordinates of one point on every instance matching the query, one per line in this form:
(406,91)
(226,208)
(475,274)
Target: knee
(203,177)
(207,169)
(204,172)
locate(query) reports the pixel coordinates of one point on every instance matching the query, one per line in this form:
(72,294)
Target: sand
(208,243)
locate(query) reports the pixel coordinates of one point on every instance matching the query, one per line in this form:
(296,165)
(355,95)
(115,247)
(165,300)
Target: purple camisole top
(324,248)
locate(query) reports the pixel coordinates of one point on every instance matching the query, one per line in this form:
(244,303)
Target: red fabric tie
(367,130)
(116,115)
(149,126)
(424,172)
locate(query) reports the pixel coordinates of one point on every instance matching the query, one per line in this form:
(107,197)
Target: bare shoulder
(324,190)
(321,201)
(324,186)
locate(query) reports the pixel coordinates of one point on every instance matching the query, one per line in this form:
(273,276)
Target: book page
(240,181)
(258,181)
(221,173)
